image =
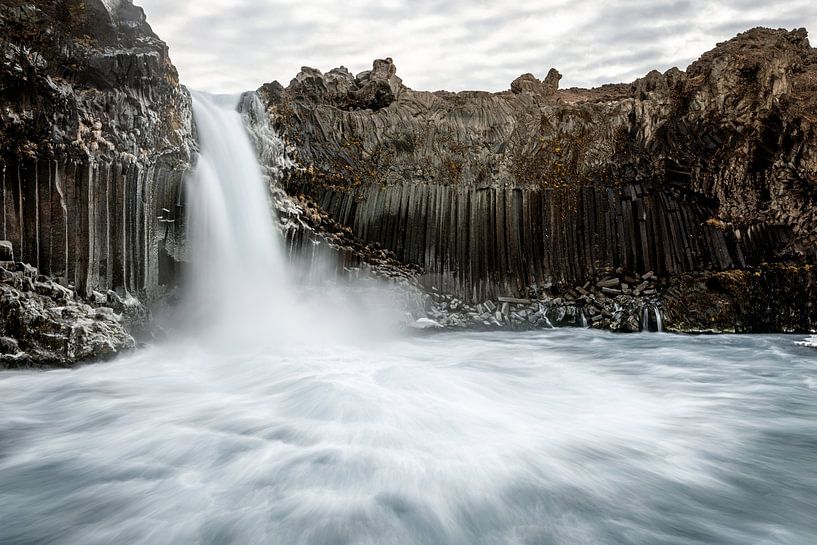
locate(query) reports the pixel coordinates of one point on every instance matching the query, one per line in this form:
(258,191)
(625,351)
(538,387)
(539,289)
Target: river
(565,436)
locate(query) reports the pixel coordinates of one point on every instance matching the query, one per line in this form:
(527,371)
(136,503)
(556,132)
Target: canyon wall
(683,190)
(95,136)
(491,194)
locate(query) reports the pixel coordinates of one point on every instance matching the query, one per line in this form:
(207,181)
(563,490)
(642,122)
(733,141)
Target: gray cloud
(234,45)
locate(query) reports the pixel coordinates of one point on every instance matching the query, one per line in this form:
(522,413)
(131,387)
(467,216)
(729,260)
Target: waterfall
(243,286)
(238,274)
(645,318)
(659,322)
(547,321)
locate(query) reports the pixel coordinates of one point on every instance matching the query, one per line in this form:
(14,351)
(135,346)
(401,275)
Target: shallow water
(556,437)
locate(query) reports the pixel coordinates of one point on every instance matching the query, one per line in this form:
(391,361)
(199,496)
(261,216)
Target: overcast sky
(236,45)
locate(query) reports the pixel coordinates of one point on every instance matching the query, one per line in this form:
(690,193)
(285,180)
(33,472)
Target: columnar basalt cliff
(95,138)
(498,194)
(95,132)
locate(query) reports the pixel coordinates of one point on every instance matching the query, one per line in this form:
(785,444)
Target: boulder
(45,326)
(527,83)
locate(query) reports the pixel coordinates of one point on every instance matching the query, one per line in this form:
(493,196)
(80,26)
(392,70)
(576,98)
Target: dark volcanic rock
(772,298)
(490,194)
(95,132)
(527,83)
(46,324)
(95,139)
(6,251)
(371,90)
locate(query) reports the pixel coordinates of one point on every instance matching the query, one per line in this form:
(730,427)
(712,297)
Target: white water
(645,318)
(242,287)
(237,266)
(268,426)
(810,342)
(566,436)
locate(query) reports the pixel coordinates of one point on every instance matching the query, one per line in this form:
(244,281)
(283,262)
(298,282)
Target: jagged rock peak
(528,83)
(369,90)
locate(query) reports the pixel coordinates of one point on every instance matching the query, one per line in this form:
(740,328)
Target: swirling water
(555,437)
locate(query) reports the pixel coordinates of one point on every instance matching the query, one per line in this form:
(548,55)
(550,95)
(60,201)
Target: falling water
(659,322)
(237,266)
(645,318)
(243,287)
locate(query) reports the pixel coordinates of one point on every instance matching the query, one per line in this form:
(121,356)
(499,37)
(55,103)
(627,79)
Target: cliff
(95,133)
(95,138)
(497,194)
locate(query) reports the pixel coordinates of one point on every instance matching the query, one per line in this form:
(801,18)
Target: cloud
(235,45)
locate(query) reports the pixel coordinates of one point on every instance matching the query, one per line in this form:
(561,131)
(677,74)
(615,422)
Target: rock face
(769,298)
(44,323)
(493,194)
(95,133)
(512,209)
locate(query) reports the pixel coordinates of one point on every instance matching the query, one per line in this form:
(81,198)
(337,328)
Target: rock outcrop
(765,299)
(46,324)
(495,194)
(95,136)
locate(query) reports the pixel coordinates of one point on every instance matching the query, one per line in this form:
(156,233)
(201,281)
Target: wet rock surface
(615,301)
(309,230)
(46,324)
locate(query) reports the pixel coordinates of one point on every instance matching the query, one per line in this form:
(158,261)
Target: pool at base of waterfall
(566,436)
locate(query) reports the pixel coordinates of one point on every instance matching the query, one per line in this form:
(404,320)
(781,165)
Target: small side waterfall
(653,323)
(659,322)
